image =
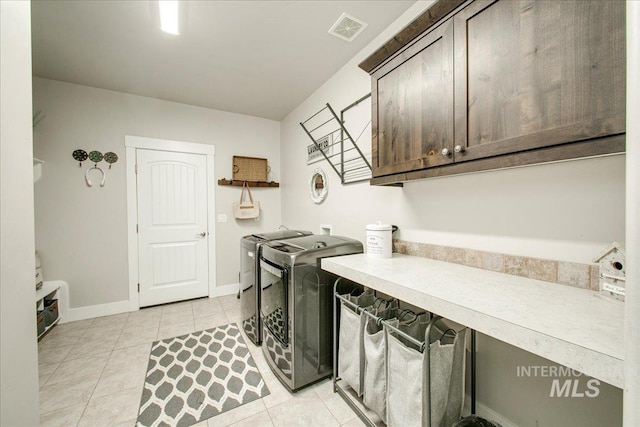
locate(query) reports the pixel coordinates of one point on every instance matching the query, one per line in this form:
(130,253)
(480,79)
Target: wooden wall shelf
(238,183)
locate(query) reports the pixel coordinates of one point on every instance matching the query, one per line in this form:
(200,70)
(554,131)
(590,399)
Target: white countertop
(574,327)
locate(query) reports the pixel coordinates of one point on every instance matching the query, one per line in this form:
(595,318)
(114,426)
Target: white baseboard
(484,411)
(220,291)
(488,413)
(82,313)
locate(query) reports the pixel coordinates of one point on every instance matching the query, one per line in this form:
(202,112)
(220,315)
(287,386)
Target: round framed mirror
(318,185)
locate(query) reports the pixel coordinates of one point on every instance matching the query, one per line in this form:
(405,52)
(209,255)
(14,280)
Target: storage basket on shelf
(250,168)
(40,322)
(50,311)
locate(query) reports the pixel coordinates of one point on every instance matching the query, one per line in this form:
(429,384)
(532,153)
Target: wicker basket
(250,168)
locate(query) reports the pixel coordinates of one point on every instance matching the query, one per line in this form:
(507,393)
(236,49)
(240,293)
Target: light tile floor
(92,371)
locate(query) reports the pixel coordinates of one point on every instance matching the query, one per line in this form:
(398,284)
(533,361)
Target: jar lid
(379,226)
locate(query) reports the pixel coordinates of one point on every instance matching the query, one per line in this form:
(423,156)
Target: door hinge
(136,169)
(138,287)
(137,228)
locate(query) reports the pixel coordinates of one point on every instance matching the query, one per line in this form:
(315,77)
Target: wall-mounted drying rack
(336,144)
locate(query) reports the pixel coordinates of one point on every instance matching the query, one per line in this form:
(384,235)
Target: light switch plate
(222,217)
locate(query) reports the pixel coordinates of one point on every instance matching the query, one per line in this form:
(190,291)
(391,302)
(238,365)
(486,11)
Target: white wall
(81,232)
(566,211)
(18,350)
(632,305)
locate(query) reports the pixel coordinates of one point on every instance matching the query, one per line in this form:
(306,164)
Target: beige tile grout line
(94,387)
(110,353)
(107,360)
(102,373)
(158,331)
(105,366)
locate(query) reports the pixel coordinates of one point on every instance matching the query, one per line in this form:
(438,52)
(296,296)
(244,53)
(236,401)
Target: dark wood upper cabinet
(413,106)
(532,74)
(499,84)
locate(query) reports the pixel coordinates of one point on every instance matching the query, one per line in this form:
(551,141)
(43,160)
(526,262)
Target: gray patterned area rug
(194,377)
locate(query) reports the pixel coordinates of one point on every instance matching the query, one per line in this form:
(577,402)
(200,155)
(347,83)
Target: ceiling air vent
(347,27)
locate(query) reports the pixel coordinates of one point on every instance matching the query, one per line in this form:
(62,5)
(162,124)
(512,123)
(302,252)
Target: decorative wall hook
(86,176)
(80,156)
(110,158)
(95,157)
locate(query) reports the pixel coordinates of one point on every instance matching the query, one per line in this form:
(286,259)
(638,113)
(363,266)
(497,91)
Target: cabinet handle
(445,152)
(458,149)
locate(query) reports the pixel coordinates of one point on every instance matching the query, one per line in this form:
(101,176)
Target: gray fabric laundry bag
(375,355)
(406,379)
(351,346)
(447,372)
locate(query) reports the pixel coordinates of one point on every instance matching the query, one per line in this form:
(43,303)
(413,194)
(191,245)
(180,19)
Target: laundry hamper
(375,348)
(350,350)
(425,385)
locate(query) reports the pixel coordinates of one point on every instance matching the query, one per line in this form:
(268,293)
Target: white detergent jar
(379,240)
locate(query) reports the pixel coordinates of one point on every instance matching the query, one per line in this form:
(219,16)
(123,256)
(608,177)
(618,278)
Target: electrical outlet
(222,217)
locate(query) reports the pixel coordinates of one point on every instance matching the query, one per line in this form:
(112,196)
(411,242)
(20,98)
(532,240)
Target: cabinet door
(412,111)
(533,74)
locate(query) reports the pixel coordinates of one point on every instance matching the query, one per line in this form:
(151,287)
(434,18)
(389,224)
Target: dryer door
(273,303)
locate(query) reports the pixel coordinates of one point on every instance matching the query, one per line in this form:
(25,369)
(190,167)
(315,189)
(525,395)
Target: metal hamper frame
(353,400)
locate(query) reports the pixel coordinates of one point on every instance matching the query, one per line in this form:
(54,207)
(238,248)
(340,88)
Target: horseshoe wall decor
(86,176)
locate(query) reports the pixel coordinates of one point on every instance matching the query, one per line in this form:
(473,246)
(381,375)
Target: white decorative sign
(314,154)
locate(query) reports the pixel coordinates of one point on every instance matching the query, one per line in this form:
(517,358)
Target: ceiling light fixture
(169,17)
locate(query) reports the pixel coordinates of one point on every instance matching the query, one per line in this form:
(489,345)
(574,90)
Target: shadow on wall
(532,391)
(580,200)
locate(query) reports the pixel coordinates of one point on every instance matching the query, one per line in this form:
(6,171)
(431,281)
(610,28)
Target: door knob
(445,152)
(203,234)
(458,149)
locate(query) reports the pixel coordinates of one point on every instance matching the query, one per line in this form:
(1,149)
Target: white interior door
(172,226)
